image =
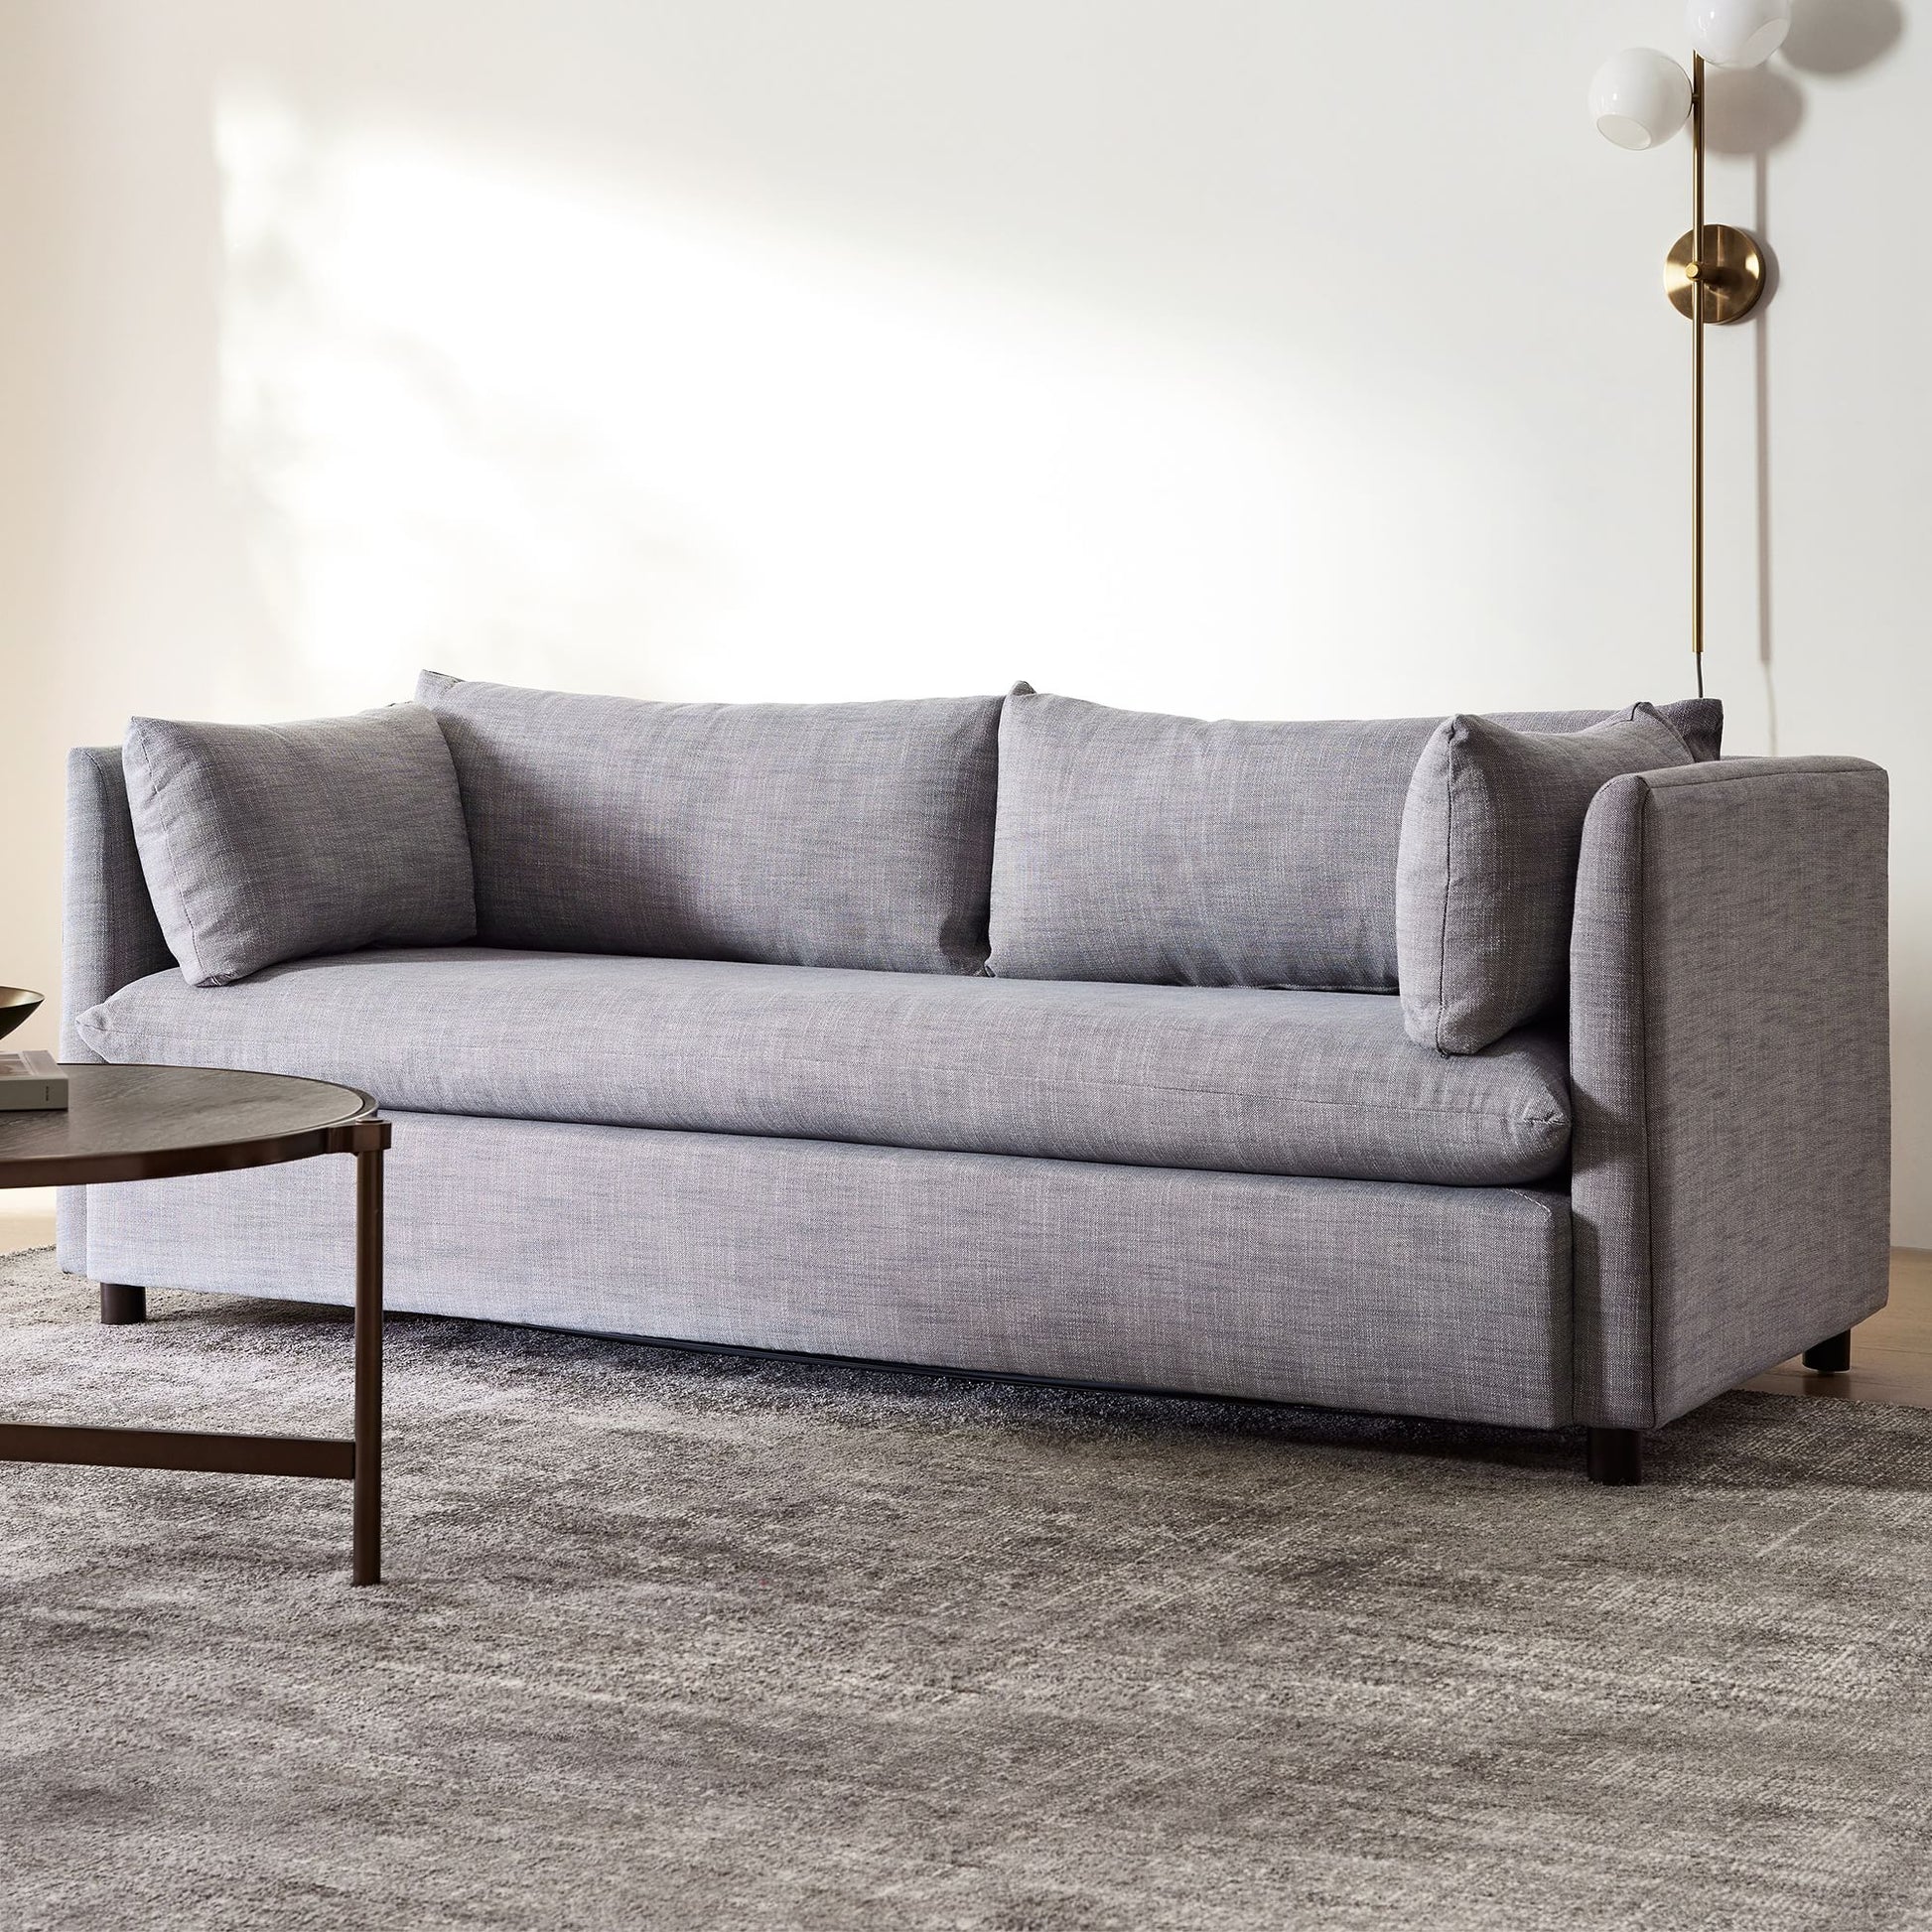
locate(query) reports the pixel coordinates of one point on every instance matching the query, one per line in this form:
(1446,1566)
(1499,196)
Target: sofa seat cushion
(1232,1078)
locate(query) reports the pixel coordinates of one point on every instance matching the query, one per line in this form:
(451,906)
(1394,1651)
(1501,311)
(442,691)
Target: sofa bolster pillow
(1486,874)
(264,842)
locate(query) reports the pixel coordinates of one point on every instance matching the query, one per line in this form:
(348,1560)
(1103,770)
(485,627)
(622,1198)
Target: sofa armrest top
(1718,772)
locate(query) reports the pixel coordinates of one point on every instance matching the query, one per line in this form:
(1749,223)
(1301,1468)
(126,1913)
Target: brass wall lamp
(1714,273)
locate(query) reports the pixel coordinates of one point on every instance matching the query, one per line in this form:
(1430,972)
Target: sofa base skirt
(1376,1295)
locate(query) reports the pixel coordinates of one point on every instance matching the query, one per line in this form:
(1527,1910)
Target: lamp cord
(1696,366)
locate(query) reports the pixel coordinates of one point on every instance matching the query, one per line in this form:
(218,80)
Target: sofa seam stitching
(1641,1007)
(1449,857)
(1721,777)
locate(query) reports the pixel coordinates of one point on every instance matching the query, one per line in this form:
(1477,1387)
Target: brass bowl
(17,1007)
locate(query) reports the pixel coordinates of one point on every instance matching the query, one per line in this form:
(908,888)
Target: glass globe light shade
(1738,32)
(1639,98)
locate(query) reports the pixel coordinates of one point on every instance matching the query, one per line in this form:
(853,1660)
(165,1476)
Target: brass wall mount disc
(1732,273)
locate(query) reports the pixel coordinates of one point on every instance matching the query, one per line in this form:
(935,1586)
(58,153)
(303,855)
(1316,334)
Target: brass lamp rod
(1714,273)
(1695,270)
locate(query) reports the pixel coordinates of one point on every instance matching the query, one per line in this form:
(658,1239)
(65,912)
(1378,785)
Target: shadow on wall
(1754,112)
(492,405)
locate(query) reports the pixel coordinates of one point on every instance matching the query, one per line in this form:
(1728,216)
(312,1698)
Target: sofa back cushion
(1137,847)
(262,843)
(789,834)
(1486,880)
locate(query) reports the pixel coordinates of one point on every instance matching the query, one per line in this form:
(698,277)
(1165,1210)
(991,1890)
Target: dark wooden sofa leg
(1833,1355)
(1616,1455)
(122,1302)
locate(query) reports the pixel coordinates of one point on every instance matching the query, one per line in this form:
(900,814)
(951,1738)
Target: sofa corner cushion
(1486,875)
(1700,723)
(853,835)
(265,843)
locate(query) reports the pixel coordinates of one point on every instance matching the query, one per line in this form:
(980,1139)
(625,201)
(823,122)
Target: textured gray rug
(677,1640)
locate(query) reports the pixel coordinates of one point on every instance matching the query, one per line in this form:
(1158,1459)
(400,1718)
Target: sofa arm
(1730,1084)
(110,936)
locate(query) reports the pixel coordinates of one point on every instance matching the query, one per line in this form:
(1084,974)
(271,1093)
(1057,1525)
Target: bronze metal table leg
(124,1123)
(366,1534)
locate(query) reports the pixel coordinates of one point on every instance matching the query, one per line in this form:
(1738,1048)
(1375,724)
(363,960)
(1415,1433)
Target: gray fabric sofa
(1037,1040)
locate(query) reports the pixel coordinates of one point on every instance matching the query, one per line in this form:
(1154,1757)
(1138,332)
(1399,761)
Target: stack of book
(31,1083)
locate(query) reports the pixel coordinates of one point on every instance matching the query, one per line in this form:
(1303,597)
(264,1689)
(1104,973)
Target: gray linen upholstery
(1137,847)
(794,834)
(1727,1201)
(1412,1301)
(109,935)
(268,841)
(108,932)
(1729,1043)
(1232,1077)
(1487,870)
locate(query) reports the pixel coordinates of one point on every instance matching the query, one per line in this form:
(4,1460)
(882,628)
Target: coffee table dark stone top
(150,1123)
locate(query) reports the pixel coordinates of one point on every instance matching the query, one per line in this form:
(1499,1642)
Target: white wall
(1250,356)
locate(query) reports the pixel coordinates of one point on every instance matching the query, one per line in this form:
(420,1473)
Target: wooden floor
(1892,1355)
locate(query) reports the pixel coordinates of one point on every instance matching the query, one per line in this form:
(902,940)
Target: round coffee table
(154,1123)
